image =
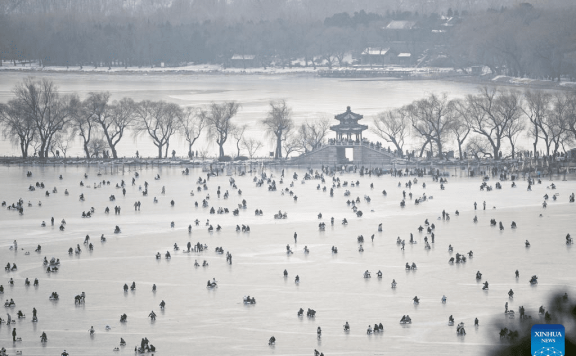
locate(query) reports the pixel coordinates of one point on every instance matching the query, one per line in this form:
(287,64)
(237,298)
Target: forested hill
(535,40)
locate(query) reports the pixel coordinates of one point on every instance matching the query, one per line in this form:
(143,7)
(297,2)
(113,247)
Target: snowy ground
(208,69)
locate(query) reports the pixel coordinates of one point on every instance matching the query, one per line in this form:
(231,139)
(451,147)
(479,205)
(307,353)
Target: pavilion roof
(348,122)
(348,115)
(349,128)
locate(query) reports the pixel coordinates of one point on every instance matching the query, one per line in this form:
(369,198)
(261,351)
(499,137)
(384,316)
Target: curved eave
(339,128)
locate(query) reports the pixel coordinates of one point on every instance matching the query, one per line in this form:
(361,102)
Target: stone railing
(354,143)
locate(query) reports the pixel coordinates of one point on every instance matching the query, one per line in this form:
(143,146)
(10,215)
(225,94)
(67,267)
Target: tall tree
(219,122)
(62,142)
(392,127)
(536,109)
(490,113)
(512,132)
(559,123)
(192,122)
(160,120)
(278,122)
(238,134)
(459,127)
(292,143)
(18,127)
(571,113)
(251,145)
(118,117)
(509,108)
(312,134)
(431,118)
(49,112)
(84,119)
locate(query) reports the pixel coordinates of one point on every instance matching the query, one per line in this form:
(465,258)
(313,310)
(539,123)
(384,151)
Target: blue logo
(548,340)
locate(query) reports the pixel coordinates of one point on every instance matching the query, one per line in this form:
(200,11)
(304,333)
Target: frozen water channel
(200,321)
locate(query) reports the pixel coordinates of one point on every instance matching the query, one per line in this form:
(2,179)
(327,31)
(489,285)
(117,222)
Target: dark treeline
(519,40)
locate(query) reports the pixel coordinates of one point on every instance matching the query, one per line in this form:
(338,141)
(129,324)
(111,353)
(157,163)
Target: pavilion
(348,126)
(348,138)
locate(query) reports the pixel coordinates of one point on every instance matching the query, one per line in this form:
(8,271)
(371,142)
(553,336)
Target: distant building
(377,56)
(404,59)
(400,25)
(243,61)
(476,70)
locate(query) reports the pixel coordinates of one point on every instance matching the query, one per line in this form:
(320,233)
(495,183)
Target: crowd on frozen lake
(278,260)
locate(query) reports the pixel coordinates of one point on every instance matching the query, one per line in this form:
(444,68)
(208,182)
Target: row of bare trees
(489,120)
(39,117)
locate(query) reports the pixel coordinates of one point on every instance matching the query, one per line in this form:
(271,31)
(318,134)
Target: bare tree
(18,127)
(238,134)
(62,142)
(548,114)
(478,147)
(459,127)
(278,123)
(114,121)
(312,134)
(536,109)
(50,113)
(160,120)
(83,120)
(292,143)
(490,113)
(219,122)
(431,118)
(203,153)
(509,108)
(192,122)
(512,132)
(571,113)
(252,146)
(97,146)
(392,127)
(559,122)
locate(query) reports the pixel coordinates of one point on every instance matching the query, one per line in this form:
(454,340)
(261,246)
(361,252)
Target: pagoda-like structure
(348,126)
(346,149)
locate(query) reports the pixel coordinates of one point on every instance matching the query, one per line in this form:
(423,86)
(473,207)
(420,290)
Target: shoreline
(417,74)
(514,166)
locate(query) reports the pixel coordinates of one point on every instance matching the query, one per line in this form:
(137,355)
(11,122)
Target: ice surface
(215,322)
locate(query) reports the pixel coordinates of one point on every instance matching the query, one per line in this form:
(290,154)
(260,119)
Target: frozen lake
(310,98)
(216,322)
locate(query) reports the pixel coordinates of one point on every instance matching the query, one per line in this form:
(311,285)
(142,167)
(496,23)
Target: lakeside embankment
(560,170)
